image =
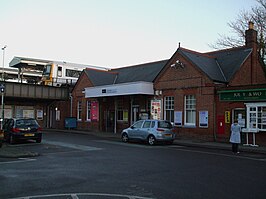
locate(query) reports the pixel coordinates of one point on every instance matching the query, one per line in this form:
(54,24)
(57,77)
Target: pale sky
(112,33)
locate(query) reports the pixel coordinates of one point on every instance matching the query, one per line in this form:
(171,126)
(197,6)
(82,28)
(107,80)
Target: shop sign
(178,118)
(156,109)
(243,95)
(203,119)
(94,111)
(227,117)
(39,114)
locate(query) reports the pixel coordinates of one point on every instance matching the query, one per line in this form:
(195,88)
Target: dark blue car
(22,129)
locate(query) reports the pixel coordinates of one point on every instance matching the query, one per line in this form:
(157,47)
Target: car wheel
(125,137)
(151,140)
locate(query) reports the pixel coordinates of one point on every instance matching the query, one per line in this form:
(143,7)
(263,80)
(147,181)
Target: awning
(28,63)
(134,88)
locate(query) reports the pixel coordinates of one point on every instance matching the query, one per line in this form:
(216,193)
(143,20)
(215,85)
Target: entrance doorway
(239,114)
(109,120)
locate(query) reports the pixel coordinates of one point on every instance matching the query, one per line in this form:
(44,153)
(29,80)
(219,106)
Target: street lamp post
(3,49)
(2,88)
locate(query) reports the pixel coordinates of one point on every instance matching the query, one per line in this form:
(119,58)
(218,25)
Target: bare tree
(257,15)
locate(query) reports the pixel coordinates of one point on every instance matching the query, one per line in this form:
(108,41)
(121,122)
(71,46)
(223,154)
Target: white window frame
(190,100)
(88,111)
(169,105)
(57,115)
(258,116)
(79,110)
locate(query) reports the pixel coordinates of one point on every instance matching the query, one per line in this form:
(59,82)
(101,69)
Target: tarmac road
(86,166)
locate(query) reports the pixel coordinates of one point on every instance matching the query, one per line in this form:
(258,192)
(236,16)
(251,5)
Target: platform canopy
(28,63)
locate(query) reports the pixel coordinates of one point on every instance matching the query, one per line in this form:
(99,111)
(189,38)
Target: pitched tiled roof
(100,78)
(218,65)
(143,72)
(231,60)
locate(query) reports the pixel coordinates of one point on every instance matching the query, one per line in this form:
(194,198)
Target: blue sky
(112,33)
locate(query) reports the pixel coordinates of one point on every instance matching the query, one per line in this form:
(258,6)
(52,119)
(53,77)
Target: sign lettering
(243,95)
(227,117)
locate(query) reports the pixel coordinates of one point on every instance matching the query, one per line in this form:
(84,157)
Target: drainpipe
(131,111)
(214,118)
(71,104)
(115,127)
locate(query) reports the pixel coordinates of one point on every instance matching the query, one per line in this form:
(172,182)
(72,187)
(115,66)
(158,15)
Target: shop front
(120,105)
(248,107)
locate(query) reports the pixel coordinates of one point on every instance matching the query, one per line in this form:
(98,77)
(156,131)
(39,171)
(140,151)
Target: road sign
(2,88)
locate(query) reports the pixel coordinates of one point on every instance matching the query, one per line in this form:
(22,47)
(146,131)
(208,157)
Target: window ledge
(189,126)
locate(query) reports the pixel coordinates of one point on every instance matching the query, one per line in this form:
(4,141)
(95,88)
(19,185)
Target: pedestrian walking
(235,136)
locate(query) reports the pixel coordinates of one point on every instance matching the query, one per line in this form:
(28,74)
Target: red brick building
(200,93)
(113,100)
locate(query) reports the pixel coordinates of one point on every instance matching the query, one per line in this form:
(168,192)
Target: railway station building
(200,93)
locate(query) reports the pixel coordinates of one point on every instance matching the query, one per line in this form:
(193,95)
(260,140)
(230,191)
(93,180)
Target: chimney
(251,36)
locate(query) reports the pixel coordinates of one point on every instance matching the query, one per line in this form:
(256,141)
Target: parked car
(1,137)
(22,129)
(2,133)
(151,131)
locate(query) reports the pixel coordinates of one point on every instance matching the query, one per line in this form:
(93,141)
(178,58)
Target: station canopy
(28,64)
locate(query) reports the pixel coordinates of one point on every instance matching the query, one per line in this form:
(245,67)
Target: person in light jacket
(235,136)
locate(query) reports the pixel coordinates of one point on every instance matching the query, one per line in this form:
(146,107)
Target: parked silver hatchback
(151,131)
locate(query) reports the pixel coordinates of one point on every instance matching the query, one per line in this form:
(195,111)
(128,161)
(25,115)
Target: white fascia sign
(132,88)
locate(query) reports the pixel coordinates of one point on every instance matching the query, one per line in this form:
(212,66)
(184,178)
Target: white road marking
(72,146)
(176,146)
(75,196)
(19,160)
(135,145)
(220,154)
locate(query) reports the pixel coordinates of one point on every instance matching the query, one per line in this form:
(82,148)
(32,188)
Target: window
(59,71)
(152,124)
(79,109)
(190,110)
(138,124)
(169,109)
(57,115)
(256,116)
(47,70)
(88,111)
(262,118)
(147,124)
(122,115)
(165,124)
(72,73)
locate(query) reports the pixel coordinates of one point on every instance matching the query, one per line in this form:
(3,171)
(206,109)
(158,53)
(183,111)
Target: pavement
(8,151)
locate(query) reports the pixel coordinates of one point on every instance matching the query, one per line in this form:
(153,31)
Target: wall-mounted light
(158,92)
(177,64)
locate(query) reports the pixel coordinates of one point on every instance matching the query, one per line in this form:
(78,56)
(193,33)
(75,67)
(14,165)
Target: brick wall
(249,74)
(78,95)
(179,82)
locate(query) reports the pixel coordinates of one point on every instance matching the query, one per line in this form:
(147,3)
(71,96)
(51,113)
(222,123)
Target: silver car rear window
(165,124)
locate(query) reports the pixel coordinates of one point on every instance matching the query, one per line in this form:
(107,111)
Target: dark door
(220,124)
(109,121)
